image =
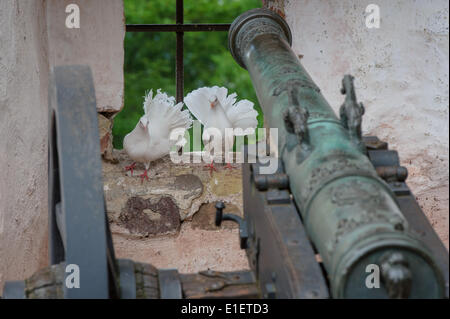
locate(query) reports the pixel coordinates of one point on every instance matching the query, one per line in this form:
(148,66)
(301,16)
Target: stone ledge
(173,193)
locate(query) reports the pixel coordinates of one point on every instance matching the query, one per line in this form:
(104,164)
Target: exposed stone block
(173,193)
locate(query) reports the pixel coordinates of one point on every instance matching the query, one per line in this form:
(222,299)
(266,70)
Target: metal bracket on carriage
(243,232)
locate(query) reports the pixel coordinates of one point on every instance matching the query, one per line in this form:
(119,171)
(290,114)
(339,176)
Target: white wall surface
(401,72)
(98,43)
(23,138)
(33,37)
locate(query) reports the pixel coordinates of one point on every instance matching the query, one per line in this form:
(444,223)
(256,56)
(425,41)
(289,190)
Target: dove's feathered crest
(201,103)
(163,107)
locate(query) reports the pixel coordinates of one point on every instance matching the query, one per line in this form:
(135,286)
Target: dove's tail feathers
(153,105)
(163,107)
(199,102)
(148,99)
(174,116)
(178,118)
(242,115)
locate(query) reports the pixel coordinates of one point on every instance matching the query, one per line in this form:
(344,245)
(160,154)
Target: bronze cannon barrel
(351,215)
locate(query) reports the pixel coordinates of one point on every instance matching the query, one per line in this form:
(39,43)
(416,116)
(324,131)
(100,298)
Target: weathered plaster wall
(33,37)
(23,138)
(98,43)
(401,72)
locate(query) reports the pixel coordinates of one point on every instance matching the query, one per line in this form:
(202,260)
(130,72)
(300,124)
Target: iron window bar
(191,27)
(179,28)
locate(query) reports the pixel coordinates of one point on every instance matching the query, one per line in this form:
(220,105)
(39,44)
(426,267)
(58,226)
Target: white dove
(214,109)
(149,140)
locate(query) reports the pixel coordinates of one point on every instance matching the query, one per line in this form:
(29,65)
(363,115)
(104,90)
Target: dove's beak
(214,103)
(143,123)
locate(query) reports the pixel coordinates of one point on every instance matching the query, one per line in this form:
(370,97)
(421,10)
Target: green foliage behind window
(150,57)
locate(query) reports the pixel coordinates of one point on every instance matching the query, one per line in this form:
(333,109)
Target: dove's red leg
(144,175)
(130,168)
(211,167)
(229,166)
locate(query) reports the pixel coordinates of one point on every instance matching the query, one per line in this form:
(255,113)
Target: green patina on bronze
(350,213)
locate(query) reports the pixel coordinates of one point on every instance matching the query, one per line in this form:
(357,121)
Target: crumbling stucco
(275,5)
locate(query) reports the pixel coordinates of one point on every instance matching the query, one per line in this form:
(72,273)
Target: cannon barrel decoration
(350,214)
